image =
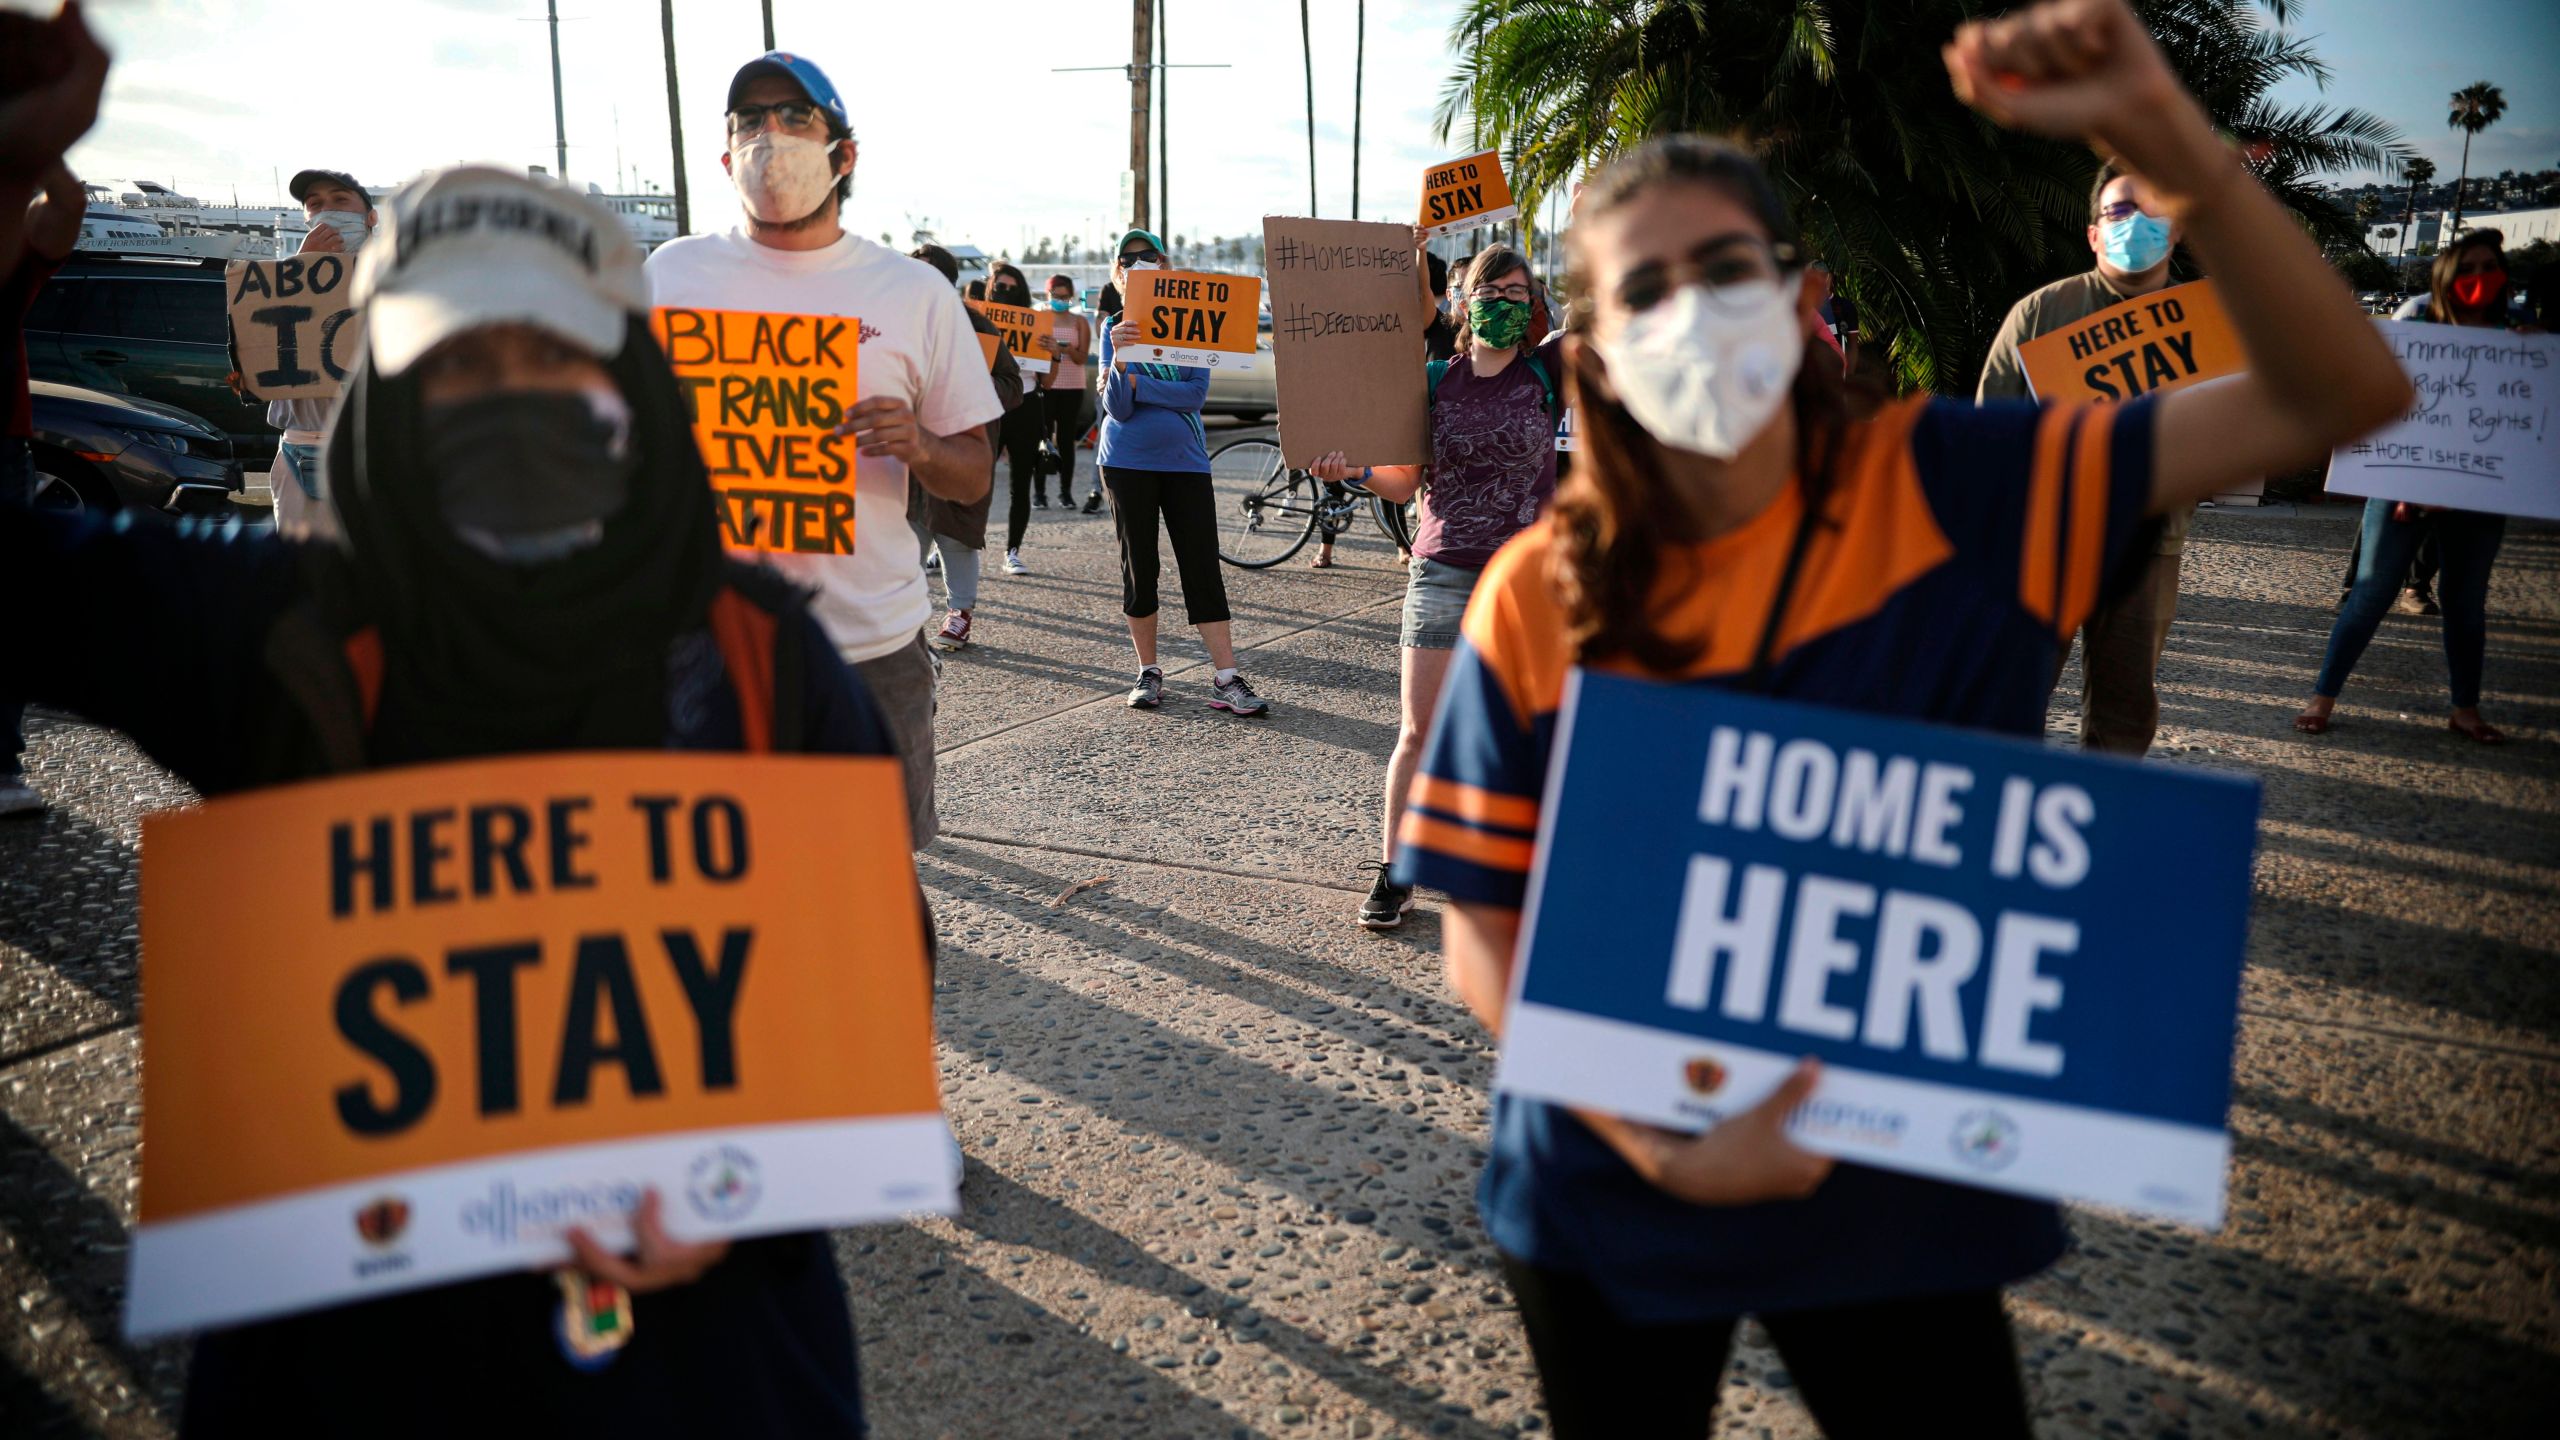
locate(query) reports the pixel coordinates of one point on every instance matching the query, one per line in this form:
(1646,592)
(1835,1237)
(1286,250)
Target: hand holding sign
(885,425)
(1743,1161)
(660,1262)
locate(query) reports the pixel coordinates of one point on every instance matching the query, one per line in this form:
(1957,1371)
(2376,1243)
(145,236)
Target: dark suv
(150,327)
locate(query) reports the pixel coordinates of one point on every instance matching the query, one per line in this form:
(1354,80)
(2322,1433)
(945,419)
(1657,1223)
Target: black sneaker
(1387,903)
(1149,692)
(1039,502)
(2426,599)
(1093,503)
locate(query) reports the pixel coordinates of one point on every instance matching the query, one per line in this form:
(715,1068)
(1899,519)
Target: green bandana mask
(1501,324)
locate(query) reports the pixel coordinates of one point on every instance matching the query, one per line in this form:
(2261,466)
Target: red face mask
(2473,291)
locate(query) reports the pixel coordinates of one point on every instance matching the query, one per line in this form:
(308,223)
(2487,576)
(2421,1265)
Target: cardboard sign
(1186,318)
(1462,194)
(294,324)
(1025,329)
(1348,314)
(2166,340)
(1968,930)
(2479,435)
(765,394)
(459,1008)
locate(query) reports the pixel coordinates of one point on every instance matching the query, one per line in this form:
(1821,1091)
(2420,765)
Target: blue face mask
(1059,305)
(2134,244)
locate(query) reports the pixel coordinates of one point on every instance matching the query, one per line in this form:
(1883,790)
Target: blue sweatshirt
(1151,416)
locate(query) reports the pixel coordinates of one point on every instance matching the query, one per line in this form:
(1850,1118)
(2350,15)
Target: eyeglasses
(1152,257)
(2120,210)
(1499,292)
(1724,267)
(796,117)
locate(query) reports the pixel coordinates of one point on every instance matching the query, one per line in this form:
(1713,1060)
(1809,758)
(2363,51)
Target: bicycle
(1268,511)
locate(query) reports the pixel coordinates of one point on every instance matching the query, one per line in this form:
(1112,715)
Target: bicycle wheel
(1399,521)
(1266,510)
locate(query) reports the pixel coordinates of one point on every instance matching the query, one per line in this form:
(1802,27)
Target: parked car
(95,451)
(1248,395)
(150,327)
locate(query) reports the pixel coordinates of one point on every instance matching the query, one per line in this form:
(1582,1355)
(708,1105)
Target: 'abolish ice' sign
(2020,966)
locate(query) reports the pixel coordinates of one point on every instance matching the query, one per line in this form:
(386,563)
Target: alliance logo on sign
(380,1224)
(1985,1139)
(1704,1075)
(723,1184)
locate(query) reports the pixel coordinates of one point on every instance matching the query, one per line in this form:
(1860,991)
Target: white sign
(2478,437)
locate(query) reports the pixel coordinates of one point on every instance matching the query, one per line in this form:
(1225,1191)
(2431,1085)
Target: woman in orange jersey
(1731,522)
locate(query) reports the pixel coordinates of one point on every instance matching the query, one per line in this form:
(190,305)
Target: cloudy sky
(962,123)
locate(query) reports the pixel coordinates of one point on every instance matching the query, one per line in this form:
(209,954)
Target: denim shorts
(1435,599)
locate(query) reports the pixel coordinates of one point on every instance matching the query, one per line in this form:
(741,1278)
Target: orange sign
(765,394)
(990,346)
(572,974)
(1024,329)
(2162,341)
(1184,318)
(1461,194)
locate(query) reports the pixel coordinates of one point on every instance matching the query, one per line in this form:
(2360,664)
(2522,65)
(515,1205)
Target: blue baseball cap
(800,71)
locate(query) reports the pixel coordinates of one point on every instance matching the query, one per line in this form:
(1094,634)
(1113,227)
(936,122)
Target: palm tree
(675,116)
(2418,170)
(2474,108)
(1933,220)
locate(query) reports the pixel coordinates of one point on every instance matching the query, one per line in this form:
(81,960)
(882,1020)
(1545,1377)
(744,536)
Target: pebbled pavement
(1223,1143)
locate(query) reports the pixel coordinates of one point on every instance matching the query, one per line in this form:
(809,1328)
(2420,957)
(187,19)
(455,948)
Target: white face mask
(1707,375)
(781,178)
(348,223)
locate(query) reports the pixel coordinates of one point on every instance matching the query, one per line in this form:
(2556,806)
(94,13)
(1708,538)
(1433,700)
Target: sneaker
(1013,563)
(2426,599)
(1093,503)
(2410,602)
(1039,502)
(18,798)
(954,634)
(955,1161)
(933,563)
(1387,903)
(1149,691)
(1237,698)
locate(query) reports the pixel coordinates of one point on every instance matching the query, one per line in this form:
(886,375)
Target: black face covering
(526,464)
(1005,292)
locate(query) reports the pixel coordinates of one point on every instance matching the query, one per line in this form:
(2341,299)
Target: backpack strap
(1432,371)
(1547,382)
(745,632)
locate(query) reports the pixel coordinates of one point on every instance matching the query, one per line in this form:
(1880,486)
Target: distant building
(2521,227)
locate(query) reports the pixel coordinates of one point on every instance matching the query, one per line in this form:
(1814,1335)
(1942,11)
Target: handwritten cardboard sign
(1188,318)
(2478,437)
(1347,320)
(466,1006)
(1025,329)
(765,394)
(1462,194)
(2163,341)
(294,324)
(1965,928)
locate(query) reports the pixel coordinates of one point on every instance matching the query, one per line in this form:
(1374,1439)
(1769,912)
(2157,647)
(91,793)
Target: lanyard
(1757,681)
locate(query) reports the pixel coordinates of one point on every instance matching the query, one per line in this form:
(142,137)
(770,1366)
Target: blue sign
(2019,965)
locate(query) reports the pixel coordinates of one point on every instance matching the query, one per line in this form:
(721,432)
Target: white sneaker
(1013,563)
(17,797)
(953,1156)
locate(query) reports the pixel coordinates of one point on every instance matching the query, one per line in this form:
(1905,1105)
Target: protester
(1440,337)
(1018,436)
(341,215)
(1493,469)
(924,384)
(2468,286)
(949,533)
(525,560)
(51,227)
(2132,235)
(1732,521)
(1064,394)
(1155,461)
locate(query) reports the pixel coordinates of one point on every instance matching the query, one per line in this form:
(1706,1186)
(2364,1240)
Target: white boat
(650,217)
(142,217)
(119,232)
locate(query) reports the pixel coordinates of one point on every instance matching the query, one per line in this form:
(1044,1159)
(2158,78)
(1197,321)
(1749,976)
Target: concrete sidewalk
(1223,1143)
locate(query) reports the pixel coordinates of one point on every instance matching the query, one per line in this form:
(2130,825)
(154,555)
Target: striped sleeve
(1471,819)
(2050,500)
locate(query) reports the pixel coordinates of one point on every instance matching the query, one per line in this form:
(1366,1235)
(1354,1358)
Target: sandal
(2485,733)
(1319,563)
(2310,724)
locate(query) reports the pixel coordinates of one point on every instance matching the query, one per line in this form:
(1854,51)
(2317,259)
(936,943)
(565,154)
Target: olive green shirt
(2063,303)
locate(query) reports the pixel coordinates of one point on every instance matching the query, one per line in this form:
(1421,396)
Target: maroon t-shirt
(1493,457)
(17,296)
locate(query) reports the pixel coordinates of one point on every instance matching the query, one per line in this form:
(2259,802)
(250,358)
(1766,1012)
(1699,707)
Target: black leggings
(1944,1364)
(1018,436)
(1190,517)
(1062,420)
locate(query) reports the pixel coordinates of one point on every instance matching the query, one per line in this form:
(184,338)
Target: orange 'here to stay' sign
(765,394)
(1186,318)
(2151,343)
(1459,194)
(1025,330)
(461,1007)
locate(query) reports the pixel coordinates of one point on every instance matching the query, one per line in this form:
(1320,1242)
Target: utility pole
(768,26)
(1359,74)
(675,114)
(1142,73)
(1307,45)
(1164,129)
(559,120)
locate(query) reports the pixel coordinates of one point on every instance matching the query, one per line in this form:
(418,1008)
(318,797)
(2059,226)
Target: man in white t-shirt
(924,387)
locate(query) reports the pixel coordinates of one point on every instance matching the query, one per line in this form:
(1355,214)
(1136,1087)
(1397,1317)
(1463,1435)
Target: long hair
(1491,263)
(1609,512)
(2440,306)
